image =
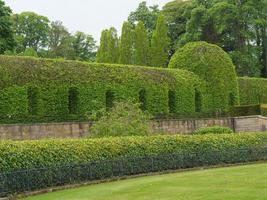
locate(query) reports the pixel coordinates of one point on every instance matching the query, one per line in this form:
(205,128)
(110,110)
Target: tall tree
(101,56)
(213,21)
(160,44)
(113,46)
(57,36)
(177,13)
(148,15)
(31,30)
(7,41)
(126,44)
(84,46)
(141,45)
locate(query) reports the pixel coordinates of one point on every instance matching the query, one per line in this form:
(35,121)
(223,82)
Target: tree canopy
(7,41)
(147,14)
(239,27)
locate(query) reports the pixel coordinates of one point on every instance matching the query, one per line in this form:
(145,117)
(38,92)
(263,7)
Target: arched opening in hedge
(198,103)
(73,98)
(172,101)
(33,95)
(142,99)
(109,99)
(231,100)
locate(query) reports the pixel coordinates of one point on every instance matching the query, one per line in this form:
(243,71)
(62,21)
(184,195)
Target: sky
(89,16)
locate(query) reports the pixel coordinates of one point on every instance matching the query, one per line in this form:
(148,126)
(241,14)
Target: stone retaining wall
(76,129)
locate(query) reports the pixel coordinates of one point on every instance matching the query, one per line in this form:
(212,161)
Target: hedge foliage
(252,90)
(214,66)
(44,153)
(245,110)
(264,110)
(63,89)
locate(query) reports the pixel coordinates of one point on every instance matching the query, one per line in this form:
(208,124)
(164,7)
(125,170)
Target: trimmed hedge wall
(61,90)
(252,90)
(44,153)
(215,67)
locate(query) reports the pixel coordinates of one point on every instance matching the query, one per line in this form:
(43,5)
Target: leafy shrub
(124,119)
(213,130)
(213,65)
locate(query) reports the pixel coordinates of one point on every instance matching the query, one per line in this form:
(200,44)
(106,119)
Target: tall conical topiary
(102,52)
(126,44)
(160,44)
(141,45)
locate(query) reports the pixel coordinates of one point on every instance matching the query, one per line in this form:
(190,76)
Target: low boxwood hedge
(36,154)
(35,165)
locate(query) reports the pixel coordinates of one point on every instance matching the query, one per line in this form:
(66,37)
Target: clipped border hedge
(35,165)
(44,153)
(47,86)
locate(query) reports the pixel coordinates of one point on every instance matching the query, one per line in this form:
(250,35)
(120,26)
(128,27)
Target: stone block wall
(81,129)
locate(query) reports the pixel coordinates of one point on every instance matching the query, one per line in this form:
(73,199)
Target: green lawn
(233,183)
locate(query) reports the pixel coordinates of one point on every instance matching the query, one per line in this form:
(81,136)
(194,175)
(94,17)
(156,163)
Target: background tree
(126,44)
(113,46)
(148,15)
(177,13)
(84,47)
(7,41)
(141,45)
(29,52)
(31,30)
(57,38)
(213,21)
(160,44)
(108,52)
(102,52)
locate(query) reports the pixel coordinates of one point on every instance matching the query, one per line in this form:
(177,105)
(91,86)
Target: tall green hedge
(215,67)
(48,87)
(252,90)
(44,153)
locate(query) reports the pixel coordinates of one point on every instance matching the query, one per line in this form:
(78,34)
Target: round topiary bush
(212,64)
(213,130)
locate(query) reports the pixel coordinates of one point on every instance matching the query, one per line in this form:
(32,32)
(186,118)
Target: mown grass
(232,183)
